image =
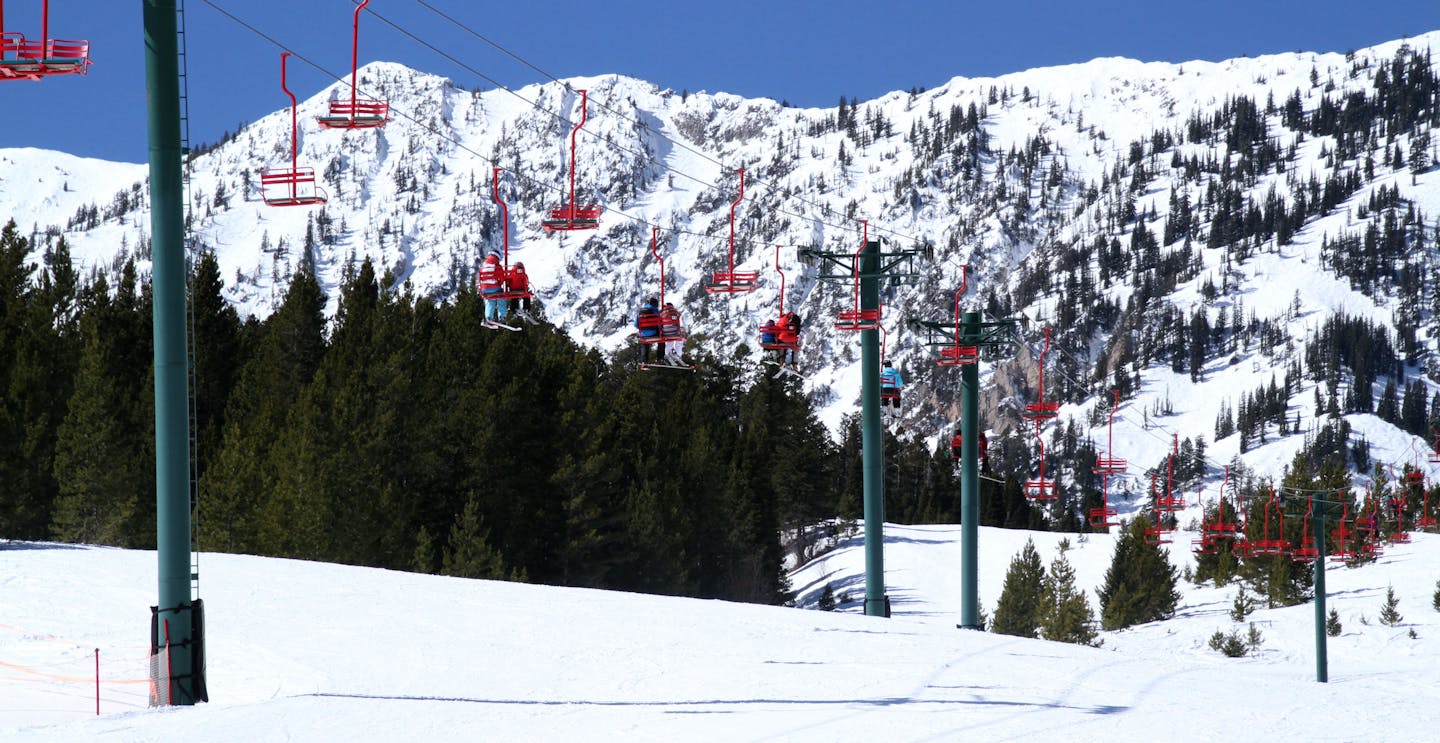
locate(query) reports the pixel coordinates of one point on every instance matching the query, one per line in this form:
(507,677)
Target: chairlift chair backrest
(294,186)
(572,216)
(731,281)
(856,318)
(357,112)
(23,58)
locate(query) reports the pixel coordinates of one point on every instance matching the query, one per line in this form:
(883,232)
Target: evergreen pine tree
(39,352)
(1018,610)
(240,479)
(1389,614)
(1140,585)
(1332,624)
(1243,605)
(218,355)
(95,463)
(423,561)
(106,489)
(468,553)
(826,602)
(1065,613)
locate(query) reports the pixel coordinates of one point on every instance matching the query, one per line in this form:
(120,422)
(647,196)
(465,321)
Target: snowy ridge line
(603,104)
(604,276)
(643,157)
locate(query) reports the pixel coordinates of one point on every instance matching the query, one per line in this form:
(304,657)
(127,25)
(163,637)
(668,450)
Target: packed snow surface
(315,652)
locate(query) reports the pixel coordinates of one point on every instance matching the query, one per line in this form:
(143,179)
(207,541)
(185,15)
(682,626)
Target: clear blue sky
(809,52)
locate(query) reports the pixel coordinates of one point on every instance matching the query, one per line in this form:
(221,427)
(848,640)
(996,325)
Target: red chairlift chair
(1343,537)
(1368,526)
(1159,532)
(1107,464)
(503,274)
(30,59)
(959,354)
(1372,545)
(571,216)
(356,113)
(1220,530)
(1369,529)
(856,318)
(1416,476)
(1104,516)
(1207,543)
(1040,488)
(666,323)
(1307,551)
(1266,545)
(1396,504)
(773,336)
(1170,503)
(1426,520)
(1042,409)
(294,186)
(731,281)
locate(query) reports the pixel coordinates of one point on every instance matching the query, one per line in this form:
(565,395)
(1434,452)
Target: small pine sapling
(1332,624)
(1253,638)
(826,602)
(1231,645)
(1435,602)
(1389,616)
(1243,606)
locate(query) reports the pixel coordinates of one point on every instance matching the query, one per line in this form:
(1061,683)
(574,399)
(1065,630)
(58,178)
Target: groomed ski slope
(305,651)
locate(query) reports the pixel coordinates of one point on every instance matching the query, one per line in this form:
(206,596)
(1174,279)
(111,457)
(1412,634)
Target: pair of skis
(782,370)
(646,366)
(497,325)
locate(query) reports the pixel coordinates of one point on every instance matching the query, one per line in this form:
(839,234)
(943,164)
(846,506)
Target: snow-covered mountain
(1110,200)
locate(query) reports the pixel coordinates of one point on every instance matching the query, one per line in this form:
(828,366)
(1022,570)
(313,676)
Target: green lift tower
(175,620)
(961,344)
(865,269)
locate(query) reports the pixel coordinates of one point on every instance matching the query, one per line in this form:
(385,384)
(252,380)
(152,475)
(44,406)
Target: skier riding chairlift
(958,441)
(890,385)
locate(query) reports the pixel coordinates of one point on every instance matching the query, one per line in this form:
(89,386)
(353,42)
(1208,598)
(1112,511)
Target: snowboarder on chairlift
(647,322)
(491,281)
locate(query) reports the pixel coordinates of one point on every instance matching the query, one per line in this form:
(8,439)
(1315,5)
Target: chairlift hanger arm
(844,265)
(991,334)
